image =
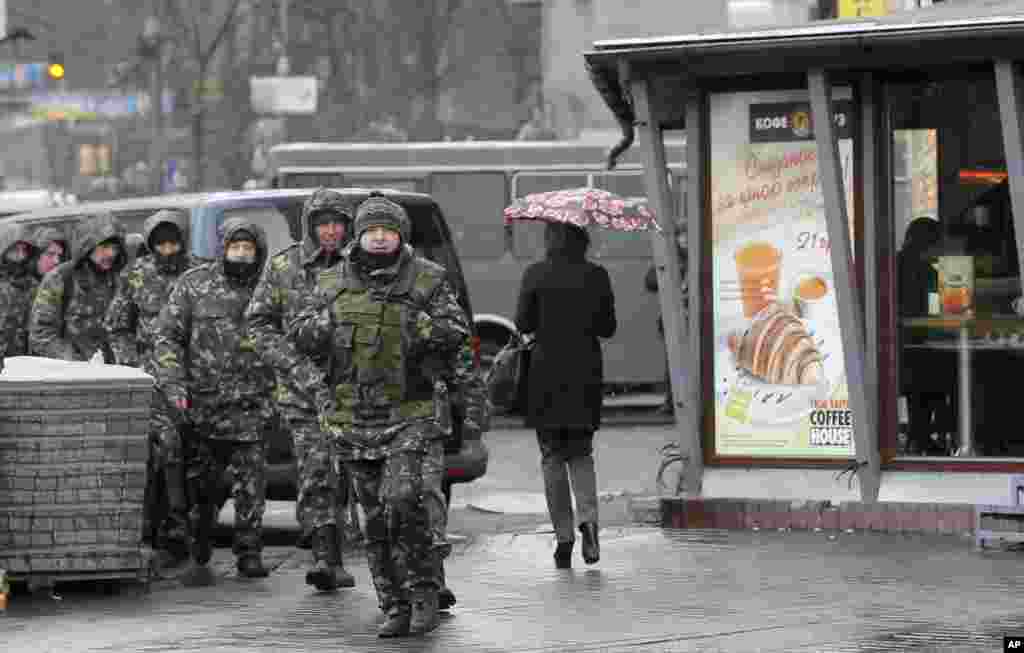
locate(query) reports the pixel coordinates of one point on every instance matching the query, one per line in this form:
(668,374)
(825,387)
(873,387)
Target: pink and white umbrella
(584,207)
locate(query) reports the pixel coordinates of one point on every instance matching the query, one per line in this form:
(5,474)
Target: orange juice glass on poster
(757,265)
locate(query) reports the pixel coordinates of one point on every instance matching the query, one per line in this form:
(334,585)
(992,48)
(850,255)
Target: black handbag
(507,379)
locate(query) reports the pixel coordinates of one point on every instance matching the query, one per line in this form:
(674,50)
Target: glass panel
(626,185)
(407,185)
(311,179)
(133,220)
(780,384)
(957,270)
(473,203)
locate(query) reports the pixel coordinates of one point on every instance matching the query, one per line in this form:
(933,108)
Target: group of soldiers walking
(348,339)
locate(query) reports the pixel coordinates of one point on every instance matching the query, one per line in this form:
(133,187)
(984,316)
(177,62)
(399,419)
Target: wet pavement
(654,590)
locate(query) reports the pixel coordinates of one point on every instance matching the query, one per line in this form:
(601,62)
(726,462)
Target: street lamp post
(151,49)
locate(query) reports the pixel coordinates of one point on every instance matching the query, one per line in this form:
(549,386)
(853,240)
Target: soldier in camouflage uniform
(17,287)
(392,327)
(66,320)
(51,250)
(131,322)
(208,368)
(290,275)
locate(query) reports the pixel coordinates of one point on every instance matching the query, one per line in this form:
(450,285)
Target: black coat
(921,370)
(568,304)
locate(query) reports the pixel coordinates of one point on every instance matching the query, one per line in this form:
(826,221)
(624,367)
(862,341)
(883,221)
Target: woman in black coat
(926,378)
(567,302)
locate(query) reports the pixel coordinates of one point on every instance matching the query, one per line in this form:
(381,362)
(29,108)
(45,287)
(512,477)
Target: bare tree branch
(229,17)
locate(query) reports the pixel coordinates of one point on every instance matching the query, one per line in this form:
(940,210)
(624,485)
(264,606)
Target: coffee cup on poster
(814,297)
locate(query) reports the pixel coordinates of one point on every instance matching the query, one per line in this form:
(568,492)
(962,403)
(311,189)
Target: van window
(310,179)
(625,185)
(134,219)
(407,185)
(473,203)
(609,244)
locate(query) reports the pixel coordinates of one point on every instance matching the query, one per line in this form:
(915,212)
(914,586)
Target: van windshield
(208,227)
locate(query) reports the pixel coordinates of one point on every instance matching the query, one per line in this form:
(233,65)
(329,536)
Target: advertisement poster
(780,386)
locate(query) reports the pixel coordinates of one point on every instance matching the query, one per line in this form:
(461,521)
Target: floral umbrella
(584,207)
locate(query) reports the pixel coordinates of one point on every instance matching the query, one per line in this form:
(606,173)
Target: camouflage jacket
(131,319)
(17,289)
(72,328)
(205,354)
(410,315)
(144,289)
(289,276)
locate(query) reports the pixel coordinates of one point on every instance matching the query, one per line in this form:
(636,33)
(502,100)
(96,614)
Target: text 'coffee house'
(854,209)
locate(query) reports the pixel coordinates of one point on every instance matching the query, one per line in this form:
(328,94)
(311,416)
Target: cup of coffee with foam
(815,298)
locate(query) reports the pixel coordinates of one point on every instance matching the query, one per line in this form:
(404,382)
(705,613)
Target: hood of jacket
(93,230)
(10,234)
(233,225)
(46,235)
(169,216)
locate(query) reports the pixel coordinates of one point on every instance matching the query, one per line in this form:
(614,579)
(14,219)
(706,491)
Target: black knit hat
(379,211)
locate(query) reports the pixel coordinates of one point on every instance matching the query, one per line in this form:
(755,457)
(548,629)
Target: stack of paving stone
(73,453)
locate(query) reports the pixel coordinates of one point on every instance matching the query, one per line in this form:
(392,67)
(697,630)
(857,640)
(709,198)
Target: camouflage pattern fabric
(17,289)
(74,329)
(391,336)
(322,491)
(205,354)
(402,499)
(290,275)
(245,464)
(144,289)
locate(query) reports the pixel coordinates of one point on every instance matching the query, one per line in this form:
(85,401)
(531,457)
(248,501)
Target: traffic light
(55,67)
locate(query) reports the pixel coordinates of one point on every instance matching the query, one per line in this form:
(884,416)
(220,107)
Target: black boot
(328,573)
(563,555)
(247,547)
(591,549)
(250,565)
(424,617)
(397,623)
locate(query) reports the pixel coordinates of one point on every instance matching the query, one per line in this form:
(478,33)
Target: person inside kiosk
(957,274)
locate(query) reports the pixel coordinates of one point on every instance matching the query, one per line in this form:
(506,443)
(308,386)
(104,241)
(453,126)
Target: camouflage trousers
(322,482)
(165,457)
(406,517)
(244,463)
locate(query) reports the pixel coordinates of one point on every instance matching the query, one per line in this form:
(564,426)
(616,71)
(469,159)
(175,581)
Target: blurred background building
(325,70)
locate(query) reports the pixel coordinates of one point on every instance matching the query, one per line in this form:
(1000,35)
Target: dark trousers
(927,413)
(567,464)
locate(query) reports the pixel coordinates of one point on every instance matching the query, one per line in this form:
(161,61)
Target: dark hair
(922,233)
(566,240)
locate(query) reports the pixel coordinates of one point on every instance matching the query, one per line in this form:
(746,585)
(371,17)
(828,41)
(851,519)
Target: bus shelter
(854,209)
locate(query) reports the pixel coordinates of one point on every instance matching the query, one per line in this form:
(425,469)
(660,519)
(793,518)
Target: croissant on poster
(777,349)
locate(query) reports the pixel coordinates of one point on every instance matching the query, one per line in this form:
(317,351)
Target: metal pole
(683,370)
(1009,89)
(851,314)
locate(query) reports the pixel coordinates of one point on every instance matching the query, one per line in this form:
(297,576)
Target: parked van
(473,182)
(278,211)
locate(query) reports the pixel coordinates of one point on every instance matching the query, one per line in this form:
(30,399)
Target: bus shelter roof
(951,33)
